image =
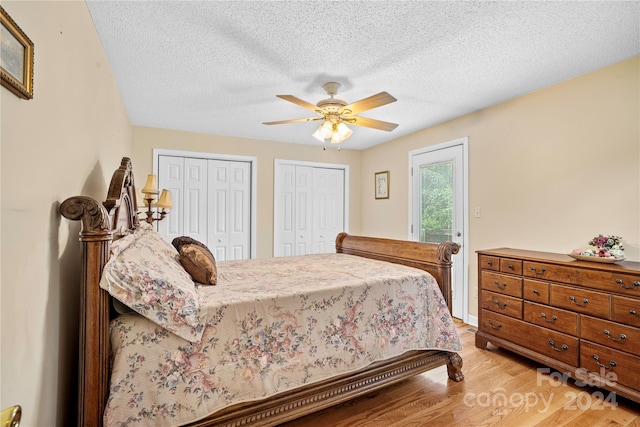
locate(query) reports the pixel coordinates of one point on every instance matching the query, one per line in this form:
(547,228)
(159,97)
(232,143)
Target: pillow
(199,263)
(143,272)
(186,240)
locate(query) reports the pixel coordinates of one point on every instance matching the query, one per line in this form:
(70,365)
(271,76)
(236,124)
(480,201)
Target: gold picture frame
(16,58)
(381,181)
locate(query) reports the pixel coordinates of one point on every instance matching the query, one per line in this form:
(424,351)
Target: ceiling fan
(336,113)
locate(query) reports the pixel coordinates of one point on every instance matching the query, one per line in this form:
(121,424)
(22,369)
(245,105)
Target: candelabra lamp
(155,211)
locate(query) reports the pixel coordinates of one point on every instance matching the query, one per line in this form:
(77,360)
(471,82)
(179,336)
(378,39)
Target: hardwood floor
(500,389)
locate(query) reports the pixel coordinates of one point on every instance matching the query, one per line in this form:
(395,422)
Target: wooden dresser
(581,318)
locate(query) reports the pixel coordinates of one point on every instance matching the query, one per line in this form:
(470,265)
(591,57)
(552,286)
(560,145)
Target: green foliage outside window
(437,202)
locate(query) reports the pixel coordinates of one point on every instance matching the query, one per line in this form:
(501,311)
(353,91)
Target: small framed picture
(382,184)
(16,58)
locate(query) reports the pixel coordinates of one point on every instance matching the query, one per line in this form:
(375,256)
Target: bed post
(93,364)
(100,222)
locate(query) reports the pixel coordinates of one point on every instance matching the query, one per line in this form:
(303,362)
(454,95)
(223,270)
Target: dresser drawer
(500,303)
(502,283)
(541,340)
(489,262)
(619,367)
(535,290)
(581,300)
(513,266)
(550,317)
(626,310)
(610,334)
(610,281)
(501,326)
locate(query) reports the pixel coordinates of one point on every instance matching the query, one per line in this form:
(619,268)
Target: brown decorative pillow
(199,262)
(186,240)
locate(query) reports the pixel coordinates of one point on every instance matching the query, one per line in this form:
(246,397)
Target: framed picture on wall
(382,185)
(16,58)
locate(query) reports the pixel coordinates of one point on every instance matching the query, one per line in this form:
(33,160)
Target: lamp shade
(151,186)
(341,132)
(164,202)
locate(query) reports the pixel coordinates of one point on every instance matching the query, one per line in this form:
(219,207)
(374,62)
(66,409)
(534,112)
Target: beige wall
(549,170)
(66,141)
(146,139)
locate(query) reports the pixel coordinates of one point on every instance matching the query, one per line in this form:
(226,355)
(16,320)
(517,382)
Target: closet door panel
(218,209)
(240,210)
(284,210)
(328,208)
(195,199)
(171,177)
(304,210)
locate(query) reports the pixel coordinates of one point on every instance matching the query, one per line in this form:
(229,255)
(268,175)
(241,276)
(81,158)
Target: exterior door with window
(438,208)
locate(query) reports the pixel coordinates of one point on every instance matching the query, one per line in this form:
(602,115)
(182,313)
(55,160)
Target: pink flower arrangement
(604,246)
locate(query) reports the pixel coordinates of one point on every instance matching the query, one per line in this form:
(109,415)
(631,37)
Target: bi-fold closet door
(309,212)
(211,203)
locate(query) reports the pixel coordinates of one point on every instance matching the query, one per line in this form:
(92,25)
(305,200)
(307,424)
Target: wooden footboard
(101,222)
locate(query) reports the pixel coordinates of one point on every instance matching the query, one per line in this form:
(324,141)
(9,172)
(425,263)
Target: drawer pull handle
(611,364)
(622,285)
(510,266)
(535,270)
(490,263)
(608,334)
(632,312)
(500,305)
(504,285)
(544,316)
(583,304)
(498,326)
(553,346)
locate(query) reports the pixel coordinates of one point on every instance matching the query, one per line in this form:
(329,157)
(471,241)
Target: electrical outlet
(476,212)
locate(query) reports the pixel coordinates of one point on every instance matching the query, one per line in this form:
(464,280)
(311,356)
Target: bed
(256,349)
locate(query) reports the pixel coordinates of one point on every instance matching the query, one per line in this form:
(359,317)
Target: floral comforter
(272,325)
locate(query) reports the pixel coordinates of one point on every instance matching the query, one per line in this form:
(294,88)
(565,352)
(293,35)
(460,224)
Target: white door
(328,208)
(212,203)
(309,207)
(228,209)
(438,208)
(171,173)
(284,211)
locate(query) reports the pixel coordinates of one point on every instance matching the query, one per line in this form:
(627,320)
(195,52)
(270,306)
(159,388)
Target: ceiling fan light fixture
(325,131)
(340,133)
(336,132)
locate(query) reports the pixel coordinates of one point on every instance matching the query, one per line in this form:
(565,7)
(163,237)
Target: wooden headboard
(101,223)
(104,222)
(432,258)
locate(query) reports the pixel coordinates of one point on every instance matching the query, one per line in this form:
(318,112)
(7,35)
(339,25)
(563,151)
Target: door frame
(464,250)
(344,168)
(157,152)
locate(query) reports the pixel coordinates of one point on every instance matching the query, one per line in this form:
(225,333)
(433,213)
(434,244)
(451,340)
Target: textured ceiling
(217,66)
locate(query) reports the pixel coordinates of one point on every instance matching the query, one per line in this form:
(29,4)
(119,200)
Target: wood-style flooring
(500,389)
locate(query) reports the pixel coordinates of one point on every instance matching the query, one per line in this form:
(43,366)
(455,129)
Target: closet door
(194,212)
(309,208)
(186,178)
(327,208)
(304,210)
(229,209)
(283,210)
(171,177)
(211,203)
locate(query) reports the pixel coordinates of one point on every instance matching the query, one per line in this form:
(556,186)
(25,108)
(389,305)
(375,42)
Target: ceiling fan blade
(311,119)
(298,101)
(372,123)
(377,100)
